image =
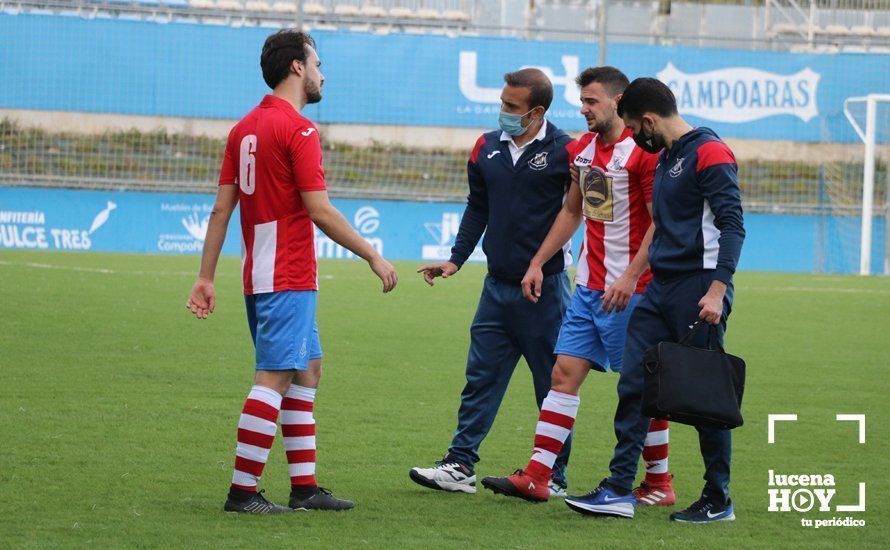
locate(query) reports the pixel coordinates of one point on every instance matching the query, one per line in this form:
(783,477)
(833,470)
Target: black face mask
(646,143)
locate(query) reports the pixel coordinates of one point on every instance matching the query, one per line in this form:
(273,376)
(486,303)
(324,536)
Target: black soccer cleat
(320,499)
(254,504)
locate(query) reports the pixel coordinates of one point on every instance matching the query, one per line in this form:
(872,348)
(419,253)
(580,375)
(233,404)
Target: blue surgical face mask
(512,124)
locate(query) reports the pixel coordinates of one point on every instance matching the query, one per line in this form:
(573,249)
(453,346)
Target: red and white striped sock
(256,432)
(298,428)
(655,453)
(557,417)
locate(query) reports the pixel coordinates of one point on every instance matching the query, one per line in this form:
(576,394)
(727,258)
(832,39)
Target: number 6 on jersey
(247,175)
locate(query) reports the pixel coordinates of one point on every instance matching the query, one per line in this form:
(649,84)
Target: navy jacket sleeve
(718,179)
(475,217)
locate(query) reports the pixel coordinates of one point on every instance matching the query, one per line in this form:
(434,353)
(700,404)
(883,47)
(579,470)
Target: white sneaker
(556,491)
(446,476)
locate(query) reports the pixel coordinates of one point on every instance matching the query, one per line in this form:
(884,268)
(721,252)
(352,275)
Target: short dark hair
(647,95)
(280,50)
(537,82)
(613,80)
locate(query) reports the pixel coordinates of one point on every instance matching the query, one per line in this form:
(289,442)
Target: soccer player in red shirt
(273,168)
(612,191)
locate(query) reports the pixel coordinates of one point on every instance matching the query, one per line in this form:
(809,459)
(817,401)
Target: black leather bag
(689,385)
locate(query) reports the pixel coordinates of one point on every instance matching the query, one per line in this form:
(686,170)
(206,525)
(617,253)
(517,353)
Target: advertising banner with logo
(157,223)
(419,80)
(49,219)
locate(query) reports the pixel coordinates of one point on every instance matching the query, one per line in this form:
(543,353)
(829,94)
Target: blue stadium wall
(209,71)
(51,219)
(190,70)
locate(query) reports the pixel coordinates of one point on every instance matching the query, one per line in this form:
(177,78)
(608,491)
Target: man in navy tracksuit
(697,212)
(518,177)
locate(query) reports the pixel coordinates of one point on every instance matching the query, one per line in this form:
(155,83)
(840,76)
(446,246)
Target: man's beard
(603,127)
(313,93)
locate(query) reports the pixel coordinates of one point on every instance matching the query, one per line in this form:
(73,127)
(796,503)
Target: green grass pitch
(118,414)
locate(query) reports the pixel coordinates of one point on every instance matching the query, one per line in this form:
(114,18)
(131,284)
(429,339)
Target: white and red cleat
(655,495)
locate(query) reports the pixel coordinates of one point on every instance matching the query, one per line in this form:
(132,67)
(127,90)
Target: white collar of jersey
(542,133)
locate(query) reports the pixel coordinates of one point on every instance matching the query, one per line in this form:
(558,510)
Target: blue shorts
(283,328)
(590,333)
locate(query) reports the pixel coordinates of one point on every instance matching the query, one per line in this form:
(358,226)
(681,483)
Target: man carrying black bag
(698,237)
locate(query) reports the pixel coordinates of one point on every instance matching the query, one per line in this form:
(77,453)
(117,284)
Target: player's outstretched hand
(439,269)
(202,300)
(532,282)
(385,271)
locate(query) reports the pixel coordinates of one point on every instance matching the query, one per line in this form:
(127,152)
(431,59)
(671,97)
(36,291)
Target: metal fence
(161,161)
(804,25)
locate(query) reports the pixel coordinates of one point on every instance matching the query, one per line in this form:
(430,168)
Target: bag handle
(712,333)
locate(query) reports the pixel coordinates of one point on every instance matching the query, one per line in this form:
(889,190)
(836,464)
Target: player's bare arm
(619,293)
(202,300)
(576,175)
(564,226)
(335,226)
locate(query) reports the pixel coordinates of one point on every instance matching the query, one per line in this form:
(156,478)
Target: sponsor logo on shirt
(616,163)
(598,199)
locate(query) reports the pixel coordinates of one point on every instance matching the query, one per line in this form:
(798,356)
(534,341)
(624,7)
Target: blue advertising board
(103,221)
(50,219)
(210,71)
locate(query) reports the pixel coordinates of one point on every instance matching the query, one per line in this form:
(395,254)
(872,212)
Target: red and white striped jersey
(616,183)
(273,154)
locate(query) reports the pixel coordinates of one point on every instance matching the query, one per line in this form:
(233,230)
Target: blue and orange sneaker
(604,501)
(705,510)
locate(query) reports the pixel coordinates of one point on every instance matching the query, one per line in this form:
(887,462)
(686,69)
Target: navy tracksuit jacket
(515,206)
(697,211)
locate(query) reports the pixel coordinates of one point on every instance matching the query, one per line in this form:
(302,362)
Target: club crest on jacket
(539,161)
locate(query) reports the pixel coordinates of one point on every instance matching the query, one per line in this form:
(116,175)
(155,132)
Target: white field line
(106,271)
(813,289)
(745,288)
(35,265)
